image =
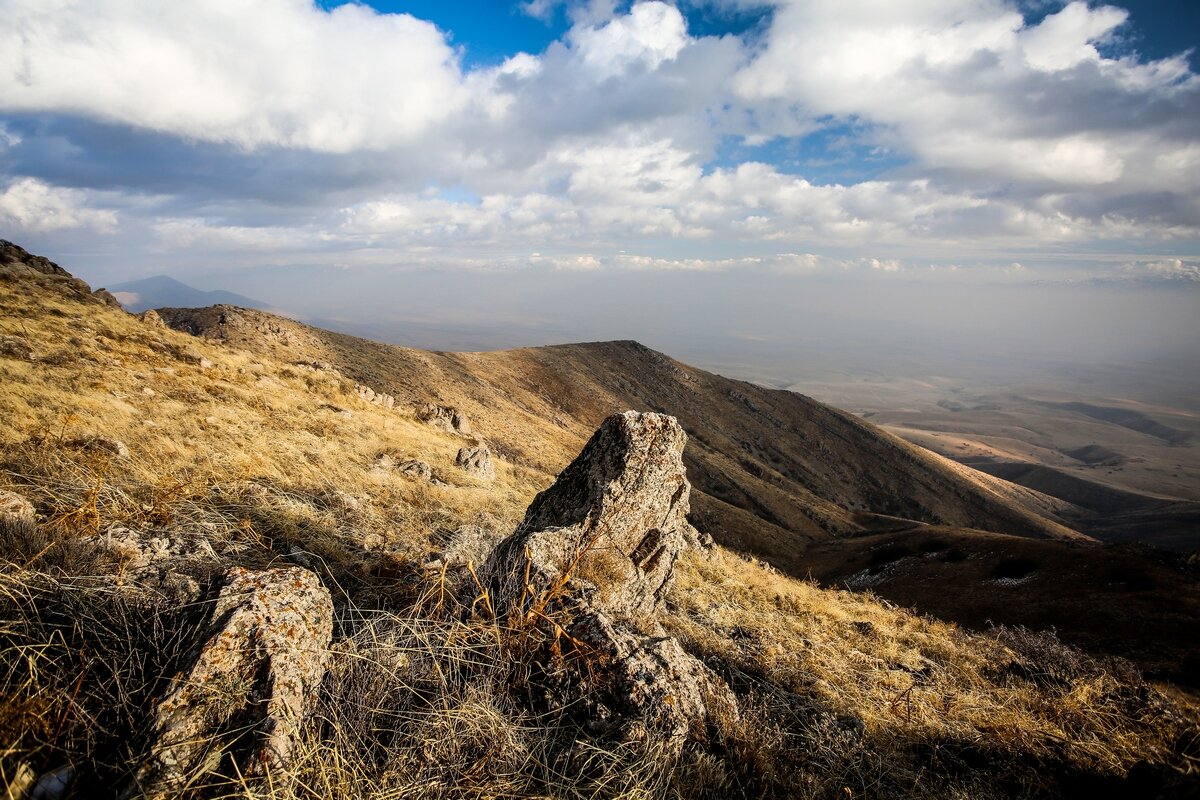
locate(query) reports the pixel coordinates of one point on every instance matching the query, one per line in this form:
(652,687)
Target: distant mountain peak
(162,291)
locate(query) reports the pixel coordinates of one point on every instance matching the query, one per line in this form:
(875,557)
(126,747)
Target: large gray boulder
(262,664)
(592,563)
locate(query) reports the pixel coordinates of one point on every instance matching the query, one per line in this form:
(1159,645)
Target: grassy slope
(843,695)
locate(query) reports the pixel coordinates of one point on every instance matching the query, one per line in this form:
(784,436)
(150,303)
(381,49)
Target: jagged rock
(596,554)
(476,461)
(106,297)
(15,347)
(447,418)
(14,505)
(100,444)
(151,318)
(261,665)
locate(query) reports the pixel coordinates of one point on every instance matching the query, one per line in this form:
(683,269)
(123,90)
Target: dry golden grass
(843,696)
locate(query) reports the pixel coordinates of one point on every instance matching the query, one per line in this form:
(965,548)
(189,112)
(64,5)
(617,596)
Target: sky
(289,149)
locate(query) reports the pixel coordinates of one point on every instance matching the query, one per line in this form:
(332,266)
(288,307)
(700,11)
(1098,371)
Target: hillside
(164,471)
(805,469)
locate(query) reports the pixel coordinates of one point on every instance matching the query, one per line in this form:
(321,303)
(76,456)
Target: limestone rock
(447,418)
(14,505)
(476,461)
(261,665)
(596,553)
(619,510)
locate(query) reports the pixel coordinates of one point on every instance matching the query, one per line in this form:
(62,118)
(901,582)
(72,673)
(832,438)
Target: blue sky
(965,140)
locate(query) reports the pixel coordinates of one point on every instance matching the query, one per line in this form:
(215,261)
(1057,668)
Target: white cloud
(31,206)
(263,72)
(1013,137)
(966,85)
(1174,269)
(651,33)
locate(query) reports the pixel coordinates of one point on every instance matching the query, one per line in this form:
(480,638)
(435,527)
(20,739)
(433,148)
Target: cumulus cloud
(276,126)
(30,206)
(967,85)
(259,73)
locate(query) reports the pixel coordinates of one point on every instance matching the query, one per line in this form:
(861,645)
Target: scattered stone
(146,390)
(596,553)
(193,356)
(261,665)
(53,785)
(100,444)
(447,418)
(14,505)
(476,461)
(160,560)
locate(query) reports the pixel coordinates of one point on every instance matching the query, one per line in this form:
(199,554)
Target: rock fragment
(261,666)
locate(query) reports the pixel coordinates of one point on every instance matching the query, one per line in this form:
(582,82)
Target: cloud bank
(275,132)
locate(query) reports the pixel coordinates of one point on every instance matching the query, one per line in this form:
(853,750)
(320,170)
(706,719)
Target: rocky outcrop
(18,264)
(476,461)
(260,669)
(373,397)
(151,318)
(106,297)
(595,556)
(447,418)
